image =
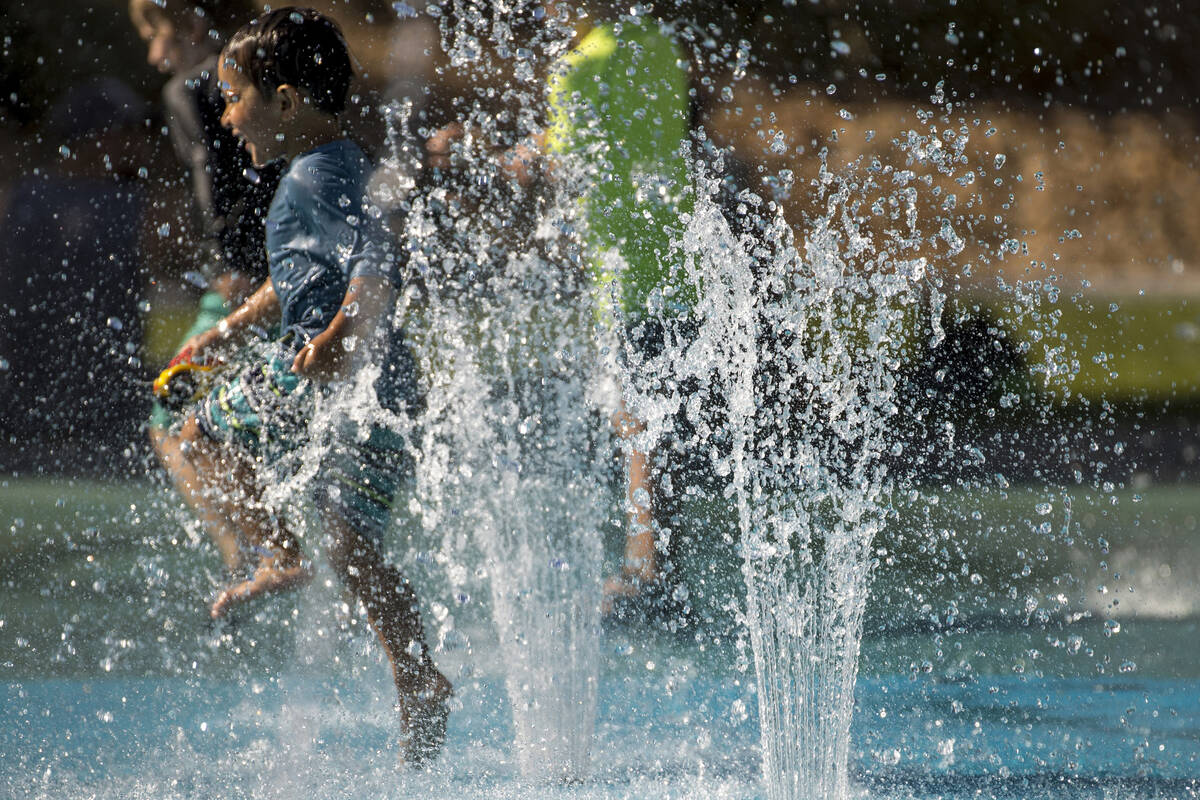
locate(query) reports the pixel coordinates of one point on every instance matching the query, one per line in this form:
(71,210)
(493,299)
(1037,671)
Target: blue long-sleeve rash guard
(320,236)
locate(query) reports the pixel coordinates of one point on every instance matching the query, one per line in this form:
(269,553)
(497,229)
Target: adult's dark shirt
(232,196)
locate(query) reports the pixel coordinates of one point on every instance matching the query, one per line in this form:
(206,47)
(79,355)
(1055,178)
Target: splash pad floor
(294,736)
(112,687)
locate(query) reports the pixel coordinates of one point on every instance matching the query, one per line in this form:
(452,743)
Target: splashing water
(788,379)
(803,344)
(516,476)
(510,471)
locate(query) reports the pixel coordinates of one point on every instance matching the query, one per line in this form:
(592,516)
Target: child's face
(256,120)
(164,50)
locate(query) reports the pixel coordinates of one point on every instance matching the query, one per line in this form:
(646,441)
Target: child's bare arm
(525,162)
(331,353)
(258,309)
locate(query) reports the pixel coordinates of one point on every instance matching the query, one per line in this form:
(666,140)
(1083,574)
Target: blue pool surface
(111,685)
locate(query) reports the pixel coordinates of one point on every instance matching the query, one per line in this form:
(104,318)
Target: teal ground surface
(1021,643)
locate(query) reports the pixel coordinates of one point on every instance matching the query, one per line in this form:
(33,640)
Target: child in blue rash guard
(332,292)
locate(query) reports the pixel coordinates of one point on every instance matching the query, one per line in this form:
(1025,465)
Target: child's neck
(309,130)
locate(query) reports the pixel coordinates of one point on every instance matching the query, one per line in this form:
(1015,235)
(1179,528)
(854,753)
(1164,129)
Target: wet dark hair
(296,46)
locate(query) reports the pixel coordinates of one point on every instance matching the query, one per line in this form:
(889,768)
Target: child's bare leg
(640,553)
(393,613)
(183,476)
(224,490)
(640,565)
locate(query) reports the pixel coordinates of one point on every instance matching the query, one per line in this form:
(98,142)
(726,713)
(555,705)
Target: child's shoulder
(337,162)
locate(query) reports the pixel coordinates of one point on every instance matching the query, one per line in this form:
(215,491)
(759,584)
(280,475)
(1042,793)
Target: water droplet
(196,279)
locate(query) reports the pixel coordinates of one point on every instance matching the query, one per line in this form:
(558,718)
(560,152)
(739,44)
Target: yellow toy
(183,383)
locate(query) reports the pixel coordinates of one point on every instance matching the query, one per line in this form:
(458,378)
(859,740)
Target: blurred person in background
(230,195)
(618,119)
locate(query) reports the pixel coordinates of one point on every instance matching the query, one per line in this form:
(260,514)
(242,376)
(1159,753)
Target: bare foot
(269,577)
(424,719)
(627,584)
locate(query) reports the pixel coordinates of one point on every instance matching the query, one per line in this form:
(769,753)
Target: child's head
(296,47)
(181,33)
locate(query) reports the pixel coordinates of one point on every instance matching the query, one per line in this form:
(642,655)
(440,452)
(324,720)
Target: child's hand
(522,163)
(324,358)
(440,147)
(185,379)
(184,356)
(330,355)
(198,349)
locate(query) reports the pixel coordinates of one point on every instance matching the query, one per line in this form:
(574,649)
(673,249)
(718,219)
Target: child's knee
(190,431)
(193,445)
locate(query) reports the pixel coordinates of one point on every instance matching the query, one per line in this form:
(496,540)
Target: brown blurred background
(1080,119)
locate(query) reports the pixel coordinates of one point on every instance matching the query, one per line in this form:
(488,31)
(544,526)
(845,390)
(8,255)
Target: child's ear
(289,100)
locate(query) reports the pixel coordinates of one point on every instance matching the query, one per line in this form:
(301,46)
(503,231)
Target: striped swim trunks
(266,408)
